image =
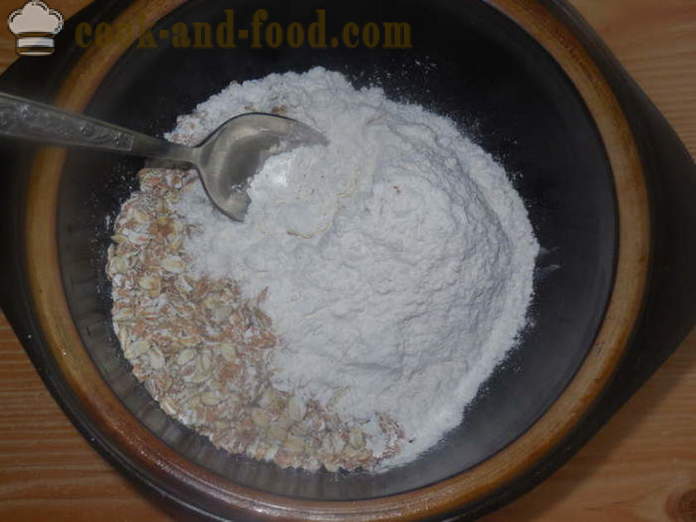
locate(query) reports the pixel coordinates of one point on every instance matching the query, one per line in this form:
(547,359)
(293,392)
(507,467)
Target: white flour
(398,259)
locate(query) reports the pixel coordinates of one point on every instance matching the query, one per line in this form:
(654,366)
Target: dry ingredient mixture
(373,287)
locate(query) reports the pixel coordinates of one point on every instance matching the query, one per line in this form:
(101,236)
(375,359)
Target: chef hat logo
(35,25)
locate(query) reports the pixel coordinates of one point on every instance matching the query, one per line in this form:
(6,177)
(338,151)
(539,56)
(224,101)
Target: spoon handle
(30,120)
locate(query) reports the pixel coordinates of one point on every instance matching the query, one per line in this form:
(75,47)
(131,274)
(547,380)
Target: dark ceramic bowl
(517,76)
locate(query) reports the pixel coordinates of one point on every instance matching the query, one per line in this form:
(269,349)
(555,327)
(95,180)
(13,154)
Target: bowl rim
(161,466)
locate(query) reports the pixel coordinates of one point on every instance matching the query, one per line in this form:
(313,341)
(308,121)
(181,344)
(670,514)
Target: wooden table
(640,467)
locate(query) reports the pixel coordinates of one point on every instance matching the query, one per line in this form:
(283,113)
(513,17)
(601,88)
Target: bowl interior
(469,62)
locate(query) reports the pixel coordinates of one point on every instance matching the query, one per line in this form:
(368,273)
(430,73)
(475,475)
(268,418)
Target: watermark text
(261,33)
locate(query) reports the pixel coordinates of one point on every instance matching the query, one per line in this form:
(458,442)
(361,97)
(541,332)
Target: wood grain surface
(640,467)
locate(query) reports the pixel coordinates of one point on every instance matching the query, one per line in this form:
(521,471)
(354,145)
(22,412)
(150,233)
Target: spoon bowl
(229,157)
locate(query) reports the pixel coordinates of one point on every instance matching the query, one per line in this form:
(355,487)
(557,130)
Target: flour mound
(398,259)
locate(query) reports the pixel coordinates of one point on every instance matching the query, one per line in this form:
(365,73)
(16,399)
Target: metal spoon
(226,160)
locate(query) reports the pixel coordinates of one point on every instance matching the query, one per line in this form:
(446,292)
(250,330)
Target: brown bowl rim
(224,498)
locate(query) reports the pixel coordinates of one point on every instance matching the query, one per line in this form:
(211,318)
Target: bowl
(515,77)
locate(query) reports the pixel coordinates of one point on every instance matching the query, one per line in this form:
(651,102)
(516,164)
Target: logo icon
(35,25)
